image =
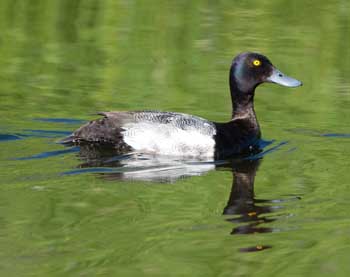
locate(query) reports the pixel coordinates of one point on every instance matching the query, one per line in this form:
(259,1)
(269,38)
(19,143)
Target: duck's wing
(177,121)
(163,132)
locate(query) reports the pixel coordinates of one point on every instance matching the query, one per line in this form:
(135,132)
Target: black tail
(68,141)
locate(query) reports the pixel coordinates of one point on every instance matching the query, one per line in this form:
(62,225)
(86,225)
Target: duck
(185,135)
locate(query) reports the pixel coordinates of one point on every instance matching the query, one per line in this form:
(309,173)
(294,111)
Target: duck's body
(168,133)
(178,134)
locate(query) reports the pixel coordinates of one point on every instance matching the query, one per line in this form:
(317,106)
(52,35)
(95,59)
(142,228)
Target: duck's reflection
(242,203)
(242,206)
(140,167)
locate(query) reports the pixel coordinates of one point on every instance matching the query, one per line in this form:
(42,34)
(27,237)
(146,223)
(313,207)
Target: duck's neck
(243,104)
(243,107)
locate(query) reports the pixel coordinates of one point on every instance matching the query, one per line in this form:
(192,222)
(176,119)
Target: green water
(67,59)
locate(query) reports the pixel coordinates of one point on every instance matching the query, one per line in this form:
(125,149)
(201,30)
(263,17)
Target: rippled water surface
(73,212)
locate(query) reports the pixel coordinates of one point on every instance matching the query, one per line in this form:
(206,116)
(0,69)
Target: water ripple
(61,120)
(49,154)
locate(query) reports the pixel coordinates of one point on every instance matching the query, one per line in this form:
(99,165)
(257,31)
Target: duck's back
(155,132)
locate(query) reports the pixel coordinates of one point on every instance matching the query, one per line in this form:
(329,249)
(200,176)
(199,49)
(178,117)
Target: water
(63,214)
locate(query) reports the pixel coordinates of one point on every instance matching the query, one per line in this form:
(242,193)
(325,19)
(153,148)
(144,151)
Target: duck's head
(249,70)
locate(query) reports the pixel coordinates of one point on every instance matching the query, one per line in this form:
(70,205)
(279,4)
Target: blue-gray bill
(279,78)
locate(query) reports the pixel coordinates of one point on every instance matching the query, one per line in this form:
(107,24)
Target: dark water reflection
(242,202)
(249,214)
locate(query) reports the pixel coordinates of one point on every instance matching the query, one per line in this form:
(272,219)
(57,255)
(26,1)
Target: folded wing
(165,133)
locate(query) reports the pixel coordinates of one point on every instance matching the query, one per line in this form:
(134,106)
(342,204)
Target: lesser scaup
(170,133)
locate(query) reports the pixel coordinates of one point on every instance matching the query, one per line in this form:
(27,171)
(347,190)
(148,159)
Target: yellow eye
(257,62)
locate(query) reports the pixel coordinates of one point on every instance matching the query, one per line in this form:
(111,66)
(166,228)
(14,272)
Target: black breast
(237,137)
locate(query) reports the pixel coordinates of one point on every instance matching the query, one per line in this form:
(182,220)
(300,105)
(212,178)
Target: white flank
(166,139)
